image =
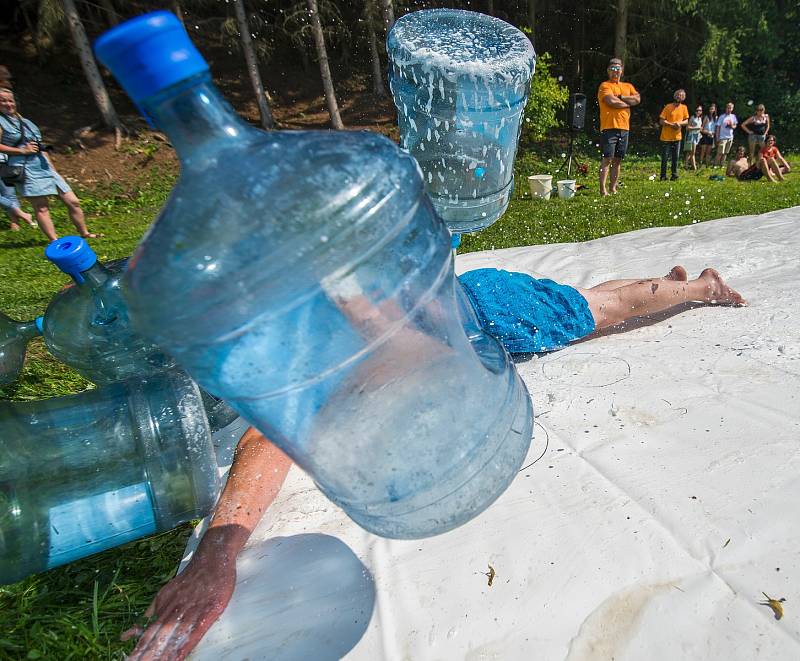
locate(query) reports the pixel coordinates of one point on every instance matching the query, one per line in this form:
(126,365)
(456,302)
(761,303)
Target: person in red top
(771,161)
(673,118)
(615,99)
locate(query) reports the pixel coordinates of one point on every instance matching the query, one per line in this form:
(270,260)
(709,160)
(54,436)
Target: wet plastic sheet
(658,501)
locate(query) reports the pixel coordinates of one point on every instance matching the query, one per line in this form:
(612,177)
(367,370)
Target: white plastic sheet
(659,499)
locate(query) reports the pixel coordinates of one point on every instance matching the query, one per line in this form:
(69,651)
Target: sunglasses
(615,68)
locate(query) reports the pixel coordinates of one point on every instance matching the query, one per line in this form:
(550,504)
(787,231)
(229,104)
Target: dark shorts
(614,143)
(526,314)
(706,140)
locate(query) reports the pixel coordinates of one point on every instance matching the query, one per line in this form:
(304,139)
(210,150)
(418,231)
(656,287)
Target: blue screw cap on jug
(71,254)
(149,53)
(304,278)
(460,81)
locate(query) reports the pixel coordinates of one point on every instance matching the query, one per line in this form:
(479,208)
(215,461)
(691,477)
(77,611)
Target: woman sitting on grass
(771,161)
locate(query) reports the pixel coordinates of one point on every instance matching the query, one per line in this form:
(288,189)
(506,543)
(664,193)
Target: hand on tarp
(184,609)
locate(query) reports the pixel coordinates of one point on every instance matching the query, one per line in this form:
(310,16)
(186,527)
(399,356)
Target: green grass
(80,610)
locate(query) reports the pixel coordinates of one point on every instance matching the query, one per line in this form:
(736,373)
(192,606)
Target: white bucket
(541,185)
(566,189)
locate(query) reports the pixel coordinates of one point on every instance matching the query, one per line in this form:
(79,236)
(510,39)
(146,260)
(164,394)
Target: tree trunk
(110,13)
(621,30)
(324,69)
(90,69)
(388,13)
(532,19)
(175,5)
(377,81)
(252,65)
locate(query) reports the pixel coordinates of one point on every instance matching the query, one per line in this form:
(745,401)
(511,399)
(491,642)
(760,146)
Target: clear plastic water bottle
(14,338)
(460,81)
(86,326)
(87,472)
(305,279)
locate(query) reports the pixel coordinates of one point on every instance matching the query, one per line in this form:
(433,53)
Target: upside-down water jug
(83,473)
(86,325)
(460,81)
(304,278)
(14,338)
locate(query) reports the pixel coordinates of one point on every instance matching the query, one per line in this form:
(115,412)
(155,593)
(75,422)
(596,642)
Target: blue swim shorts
(527,315)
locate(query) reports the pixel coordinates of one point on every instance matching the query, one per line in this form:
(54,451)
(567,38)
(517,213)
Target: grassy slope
(78,611)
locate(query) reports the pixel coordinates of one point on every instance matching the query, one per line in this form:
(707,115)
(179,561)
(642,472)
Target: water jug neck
(24,329)
(28,329)
(94,277)
(196,118)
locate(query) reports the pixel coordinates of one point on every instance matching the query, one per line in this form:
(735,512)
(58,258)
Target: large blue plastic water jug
(83,473)
(14,338)
(86,326)
(460,81)
(304,278)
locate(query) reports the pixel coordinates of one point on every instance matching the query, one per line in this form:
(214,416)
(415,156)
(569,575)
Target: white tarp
(661,494)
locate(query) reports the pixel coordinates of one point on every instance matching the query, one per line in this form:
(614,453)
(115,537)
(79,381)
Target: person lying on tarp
(526,314)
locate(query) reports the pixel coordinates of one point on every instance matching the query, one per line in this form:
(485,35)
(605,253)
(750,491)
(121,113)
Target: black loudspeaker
(576,111)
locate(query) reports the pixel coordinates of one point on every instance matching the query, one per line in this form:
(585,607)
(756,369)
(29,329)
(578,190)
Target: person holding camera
(30,171)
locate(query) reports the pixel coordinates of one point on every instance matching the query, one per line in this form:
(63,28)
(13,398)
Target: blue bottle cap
(71,254)
(149,53)
(39,321)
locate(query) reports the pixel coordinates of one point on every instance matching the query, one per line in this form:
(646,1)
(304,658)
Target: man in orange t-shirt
(615,99)
(673,118)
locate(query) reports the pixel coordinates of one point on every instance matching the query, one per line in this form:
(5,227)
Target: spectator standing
(726,125)
(757,128)
(707,134)
(20,141)
(693,129)
(673,118)
(771,161)
(615,99)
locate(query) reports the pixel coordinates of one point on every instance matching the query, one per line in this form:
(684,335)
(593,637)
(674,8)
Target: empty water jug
(84,473)
(86,326)
(460,81)
(14,338)
(304,278)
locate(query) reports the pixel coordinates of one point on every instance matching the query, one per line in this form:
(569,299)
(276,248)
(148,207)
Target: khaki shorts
(724,146)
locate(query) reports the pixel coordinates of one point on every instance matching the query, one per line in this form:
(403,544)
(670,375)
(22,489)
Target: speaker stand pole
(568,159)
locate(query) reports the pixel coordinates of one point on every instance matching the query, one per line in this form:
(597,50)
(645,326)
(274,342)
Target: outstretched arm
(191,602)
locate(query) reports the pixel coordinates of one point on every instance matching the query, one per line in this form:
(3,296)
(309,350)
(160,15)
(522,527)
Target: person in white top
(726,125)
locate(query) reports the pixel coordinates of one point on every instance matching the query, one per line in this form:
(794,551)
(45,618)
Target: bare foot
(677,273)
(91,235)
(614,191)
(718,292)
(13,226)
(604,193)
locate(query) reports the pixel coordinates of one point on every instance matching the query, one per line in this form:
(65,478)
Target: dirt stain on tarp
(605,633)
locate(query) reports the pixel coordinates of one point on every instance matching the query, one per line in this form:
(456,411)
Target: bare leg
(677,273)
(41,211)
(18,214)
(766,169)
(776,168)
(646,297)
(752,146)
(76,213)
(604,175)
(615,167)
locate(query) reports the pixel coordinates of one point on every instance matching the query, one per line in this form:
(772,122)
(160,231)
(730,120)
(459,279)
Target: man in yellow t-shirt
(615,99)
(673,118)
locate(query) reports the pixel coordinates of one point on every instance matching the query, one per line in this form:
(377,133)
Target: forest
(741,50)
